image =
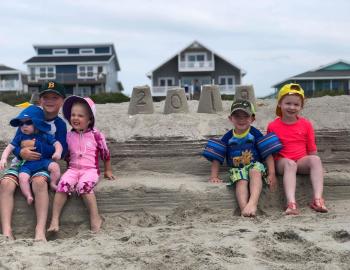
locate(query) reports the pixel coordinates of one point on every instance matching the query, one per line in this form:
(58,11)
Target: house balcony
(227,89)
(68,78)
(161,91)
(193,66)
(10,85)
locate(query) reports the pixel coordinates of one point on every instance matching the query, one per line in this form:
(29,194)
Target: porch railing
(69,77)
(196,66)
(9,85)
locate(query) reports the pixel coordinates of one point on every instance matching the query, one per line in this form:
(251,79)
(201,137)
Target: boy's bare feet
(249,210)
(40,235)
(54,226)
(96,224)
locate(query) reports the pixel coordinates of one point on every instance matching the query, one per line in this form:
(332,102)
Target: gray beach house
(330,78)
(193,67)
(83,69)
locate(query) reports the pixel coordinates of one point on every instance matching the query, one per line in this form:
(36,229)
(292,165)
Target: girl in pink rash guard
(85,144)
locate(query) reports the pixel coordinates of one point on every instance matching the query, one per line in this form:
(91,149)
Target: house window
(47,72)
(86,72)
(87,51)
(196,57)
(83,91)
(32,73)
(60,51)
(169,81)
(226,80)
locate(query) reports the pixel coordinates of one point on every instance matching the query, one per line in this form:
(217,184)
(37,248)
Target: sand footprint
(341,236)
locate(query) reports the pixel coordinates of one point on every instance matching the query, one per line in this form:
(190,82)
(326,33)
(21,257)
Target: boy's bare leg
(25,187)
(312,165)
(288,168)
(41,195)
(242,194)
(95,218)
(7,191)
(58,203)
(55,174)
(255,187)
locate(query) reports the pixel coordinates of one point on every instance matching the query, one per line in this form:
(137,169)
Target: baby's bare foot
(30,200)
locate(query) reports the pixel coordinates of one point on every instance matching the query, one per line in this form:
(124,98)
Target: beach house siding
(333,78)
(225,69)
(12,80)
(194,67)
(112,81)
(83,69)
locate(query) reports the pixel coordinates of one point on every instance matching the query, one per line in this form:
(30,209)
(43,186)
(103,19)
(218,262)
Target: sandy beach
(162,213)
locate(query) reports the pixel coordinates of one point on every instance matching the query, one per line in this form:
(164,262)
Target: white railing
(196,66)
(161,91)
(227,89)
(9,85)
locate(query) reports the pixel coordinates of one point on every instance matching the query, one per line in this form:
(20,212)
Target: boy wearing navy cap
(51,97)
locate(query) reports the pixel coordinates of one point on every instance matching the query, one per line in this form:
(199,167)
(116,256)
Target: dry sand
(194,234)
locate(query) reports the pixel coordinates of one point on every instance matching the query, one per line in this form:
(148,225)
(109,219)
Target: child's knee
(254,173)
(290,165)
(54,167)
(23,177)
(315,160)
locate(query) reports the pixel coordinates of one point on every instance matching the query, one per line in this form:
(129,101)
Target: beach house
(12,80)
(327,79)
(191,68)
(83,69)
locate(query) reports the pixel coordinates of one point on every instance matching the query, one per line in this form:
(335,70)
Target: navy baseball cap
(52,87)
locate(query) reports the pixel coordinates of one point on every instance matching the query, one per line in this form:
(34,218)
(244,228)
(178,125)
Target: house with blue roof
(333,78)
(84,69)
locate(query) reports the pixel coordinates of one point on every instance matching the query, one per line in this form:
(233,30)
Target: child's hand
(3,164)
(56,156)
(28,143)
(215,179)
(109,175)
(272,180)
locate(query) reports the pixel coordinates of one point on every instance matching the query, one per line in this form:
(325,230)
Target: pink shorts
(81,181)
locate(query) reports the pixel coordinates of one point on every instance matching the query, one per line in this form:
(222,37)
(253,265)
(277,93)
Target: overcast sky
(270,39)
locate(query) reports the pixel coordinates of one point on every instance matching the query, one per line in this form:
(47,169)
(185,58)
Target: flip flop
(292,209)
(318,205)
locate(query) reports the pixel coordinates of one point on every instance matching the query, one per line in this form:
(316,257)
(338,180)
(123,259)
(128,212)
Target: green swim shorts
(237,174)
